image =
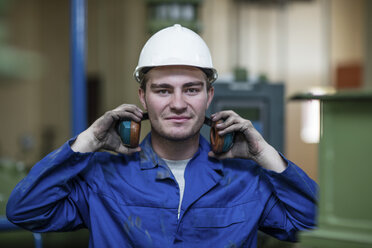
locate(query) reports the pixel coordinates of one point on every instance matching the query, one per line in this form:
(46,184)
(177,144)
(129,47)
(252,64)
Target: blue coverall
(132,201)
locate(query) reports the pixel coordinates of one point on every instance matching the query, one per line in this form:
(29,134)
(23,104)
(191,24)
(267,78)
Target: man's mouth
(178,119)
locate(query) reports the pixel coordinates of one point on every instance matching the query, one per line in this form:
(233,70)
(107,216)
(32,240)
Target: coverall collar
(149,159)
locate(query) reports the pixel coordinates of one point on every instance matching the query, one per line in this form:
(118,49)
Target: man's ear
(142,95)
(210,96)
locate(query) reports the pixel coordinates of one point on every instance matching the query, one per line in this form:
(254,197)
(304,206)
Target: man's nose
(178,102)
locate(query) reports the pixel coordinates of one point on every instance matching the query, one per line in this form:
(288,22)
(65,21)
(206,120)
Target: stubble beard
(162,133)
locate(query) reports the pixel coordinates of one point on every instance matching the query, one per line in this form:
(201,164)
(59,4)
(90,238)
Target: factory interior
(300,70)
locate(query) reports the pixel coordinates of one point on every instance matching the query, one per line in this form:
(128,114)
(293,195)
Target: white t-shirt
(178,170)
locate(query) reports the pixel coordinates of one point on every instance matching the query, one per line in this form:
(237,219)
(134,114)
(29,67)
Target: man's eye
(192,90)
(163,92)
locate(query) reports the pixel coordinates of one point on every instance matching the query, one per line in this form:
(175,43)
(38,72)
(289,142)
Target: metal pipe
(38,240)
(78,79)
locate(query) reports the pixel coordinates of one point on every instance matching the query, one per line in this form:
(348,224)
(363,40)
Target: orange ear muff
(220,144)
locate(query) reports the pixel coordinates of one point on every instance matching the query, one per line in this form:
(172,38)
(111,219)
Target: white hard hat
(175,45)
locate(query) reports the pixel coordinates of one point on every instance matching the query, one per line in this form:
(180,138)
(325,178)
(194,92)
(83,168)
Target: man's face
(176,99)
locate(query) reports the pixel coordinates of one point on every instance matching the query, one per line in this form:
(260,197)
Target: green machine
(345,171)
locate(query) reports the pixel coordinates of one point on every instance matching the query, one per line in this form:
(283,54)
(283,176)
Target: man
(172,191)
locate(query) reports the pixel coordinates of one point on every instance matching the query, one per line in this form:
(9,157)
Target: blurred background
(301,45)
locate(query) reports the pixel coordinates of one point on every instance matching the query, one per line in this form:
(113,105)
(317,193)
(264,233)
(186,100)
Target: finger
(238,127)
(227,122)
(222,115)
(127,150)
(123,114)
(125,109)
(230,129)
(128,107)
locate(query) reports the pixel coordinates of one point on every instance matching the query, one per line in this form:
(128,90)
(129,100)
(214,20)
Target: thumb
(126,150)
(211,154)
(220,156)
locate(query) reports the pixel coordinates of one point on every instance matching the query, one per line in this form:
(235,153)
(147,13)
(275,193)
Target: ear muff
(220,144)
(129,132)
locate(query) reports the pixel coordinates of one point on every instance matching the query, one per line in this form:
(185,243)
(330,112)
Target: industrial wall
(300,43)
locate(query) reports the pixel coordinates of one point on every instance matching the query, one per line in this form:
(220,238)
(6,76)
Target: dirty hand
(248,142)
(102,133)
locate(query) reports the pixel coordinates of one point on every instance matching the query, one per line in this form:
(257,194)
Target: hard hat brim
(139,73)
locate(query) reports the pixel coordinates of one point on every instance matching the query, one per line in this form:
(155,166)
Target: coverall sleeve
(52,197)
(291,206)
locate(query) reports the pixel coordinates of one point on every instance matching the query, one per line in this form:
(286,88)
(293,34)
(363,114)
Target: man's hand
(248,143)
(102,133)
